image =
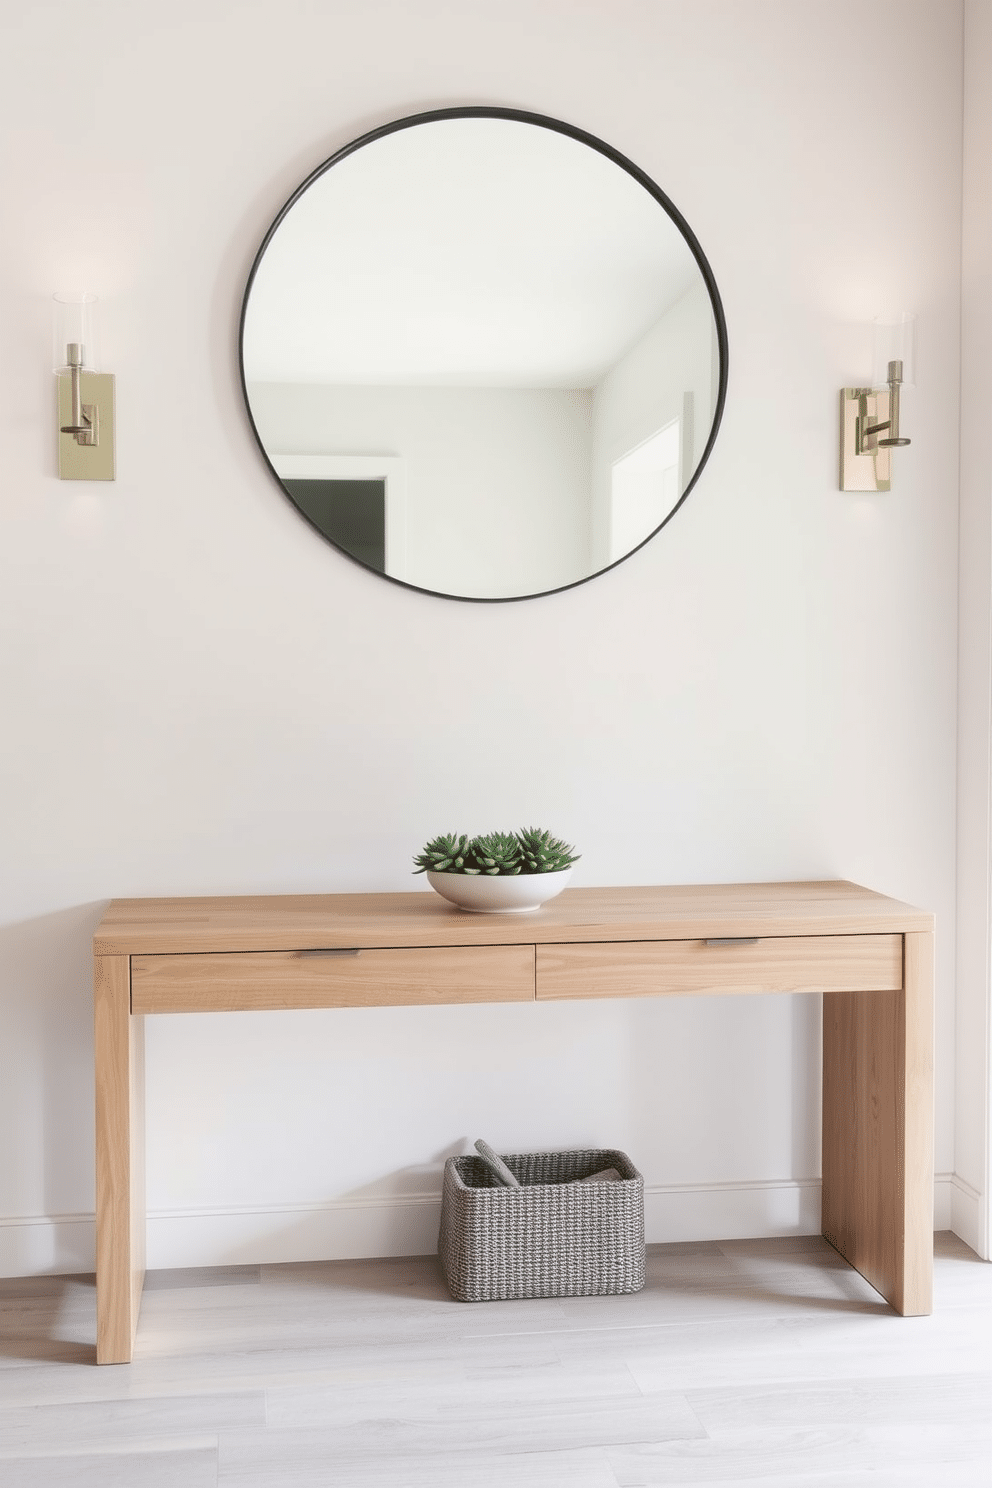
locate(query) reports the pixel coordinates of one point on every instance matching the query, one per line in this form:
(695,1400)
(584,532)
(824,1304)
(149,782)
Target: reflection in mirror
(483,354)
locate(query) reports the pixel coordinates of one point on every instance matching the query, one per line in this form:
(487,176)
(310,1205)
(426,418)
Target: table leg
(878,1131)
(120,1144)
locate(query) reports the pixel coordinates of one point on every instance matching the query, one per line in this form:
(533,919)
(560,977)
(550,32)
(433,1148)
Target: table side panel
(863,1156)
(919,1125)
(258,980)
(878,1132)
(800,963)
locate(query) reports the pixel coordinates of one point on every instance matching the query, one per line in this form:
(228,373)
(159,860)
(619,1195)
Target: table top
(285,922)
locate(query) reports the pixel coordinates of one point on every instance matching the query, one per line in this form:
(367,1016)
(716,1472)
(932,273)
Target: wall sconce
(869,416)
(84,397)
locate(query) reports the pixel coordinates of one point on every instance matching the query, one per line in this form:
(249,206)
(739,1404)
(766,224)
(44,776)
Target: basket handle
(496,1165)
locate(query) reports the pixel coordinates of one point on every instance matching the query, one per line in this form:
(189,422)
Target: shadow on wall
(46,1093)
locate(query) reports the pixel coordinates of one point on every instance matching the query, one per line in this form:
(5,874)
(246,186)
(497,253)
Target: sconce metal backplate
(863,466)
(87,461)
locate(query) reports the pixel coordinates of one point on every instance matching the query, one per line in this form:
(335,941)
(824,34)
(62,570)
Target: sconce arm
(83,422)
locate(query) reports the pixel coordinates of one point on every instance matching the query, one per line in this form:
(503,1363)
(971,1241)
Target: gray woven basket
(552,1237)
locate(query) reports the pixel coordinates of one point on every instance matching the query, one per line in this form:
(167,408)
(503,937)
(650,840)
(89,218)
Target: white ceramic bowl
(510,894)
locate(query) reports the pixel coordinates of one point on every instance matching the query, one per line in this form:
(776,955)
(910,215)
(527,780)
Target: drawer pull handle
(344,952)
(733,940)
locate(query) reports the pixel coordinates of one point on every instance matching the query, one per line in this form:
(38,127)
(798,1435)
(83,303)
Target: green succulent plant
(497,852)
(532,850)
(447,854)
(543,853)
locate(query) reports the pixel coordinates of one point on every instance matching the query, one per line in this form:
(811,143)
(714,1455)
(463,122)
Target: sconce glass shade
(894,341)
(75,324)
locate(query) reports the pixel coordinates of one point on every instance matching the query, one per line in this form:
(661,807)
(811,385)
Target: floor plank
(195,1468)
(108,1425)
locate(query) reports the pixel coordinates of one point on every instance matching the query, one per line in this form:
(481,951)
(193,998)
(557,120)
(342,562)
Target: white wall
(646,389)
(970,1190)
(497,478)
(200,696)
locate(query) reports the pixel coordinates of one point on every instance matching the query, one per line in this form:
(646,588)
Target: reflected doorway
(644,488)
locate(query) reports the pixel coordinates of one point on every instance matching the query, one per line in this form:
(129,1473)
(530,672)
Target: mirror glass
(483,354)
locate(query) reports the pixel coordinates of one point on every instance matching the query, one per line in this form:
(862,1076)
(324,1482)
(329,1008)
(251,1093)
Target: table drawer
(249,981)
(645,968)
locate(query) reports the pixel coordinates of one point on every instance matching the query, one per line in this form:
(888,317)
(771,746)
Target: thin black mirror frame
(542,121)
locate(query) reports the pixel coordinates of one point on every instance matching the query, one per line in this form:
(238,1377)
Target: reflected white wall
(497,478)
(645,390)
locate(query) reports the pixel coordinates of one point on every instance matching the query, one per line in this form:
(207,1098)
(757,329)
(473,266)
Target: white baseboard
(43,1245)
(966,1216)
(731,1211)
(407,1224)
(403,1224)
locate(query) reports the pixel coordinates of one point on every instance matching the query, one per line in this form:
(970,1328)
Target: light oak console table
(872,956)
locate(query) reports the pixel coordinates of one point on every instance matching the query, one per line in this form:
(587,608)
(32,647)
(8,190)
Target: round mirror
(483,353)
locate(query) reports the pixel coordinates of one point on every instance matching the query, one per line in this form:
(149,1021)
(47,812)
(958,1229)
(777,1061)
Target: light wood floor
(758,1362)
